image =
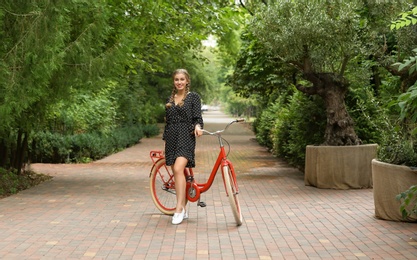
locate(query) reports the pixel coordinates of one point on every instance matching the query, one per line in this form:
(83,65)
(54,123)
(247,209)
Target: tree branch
(306,90)
(242,4)
(307,66)
(344,64)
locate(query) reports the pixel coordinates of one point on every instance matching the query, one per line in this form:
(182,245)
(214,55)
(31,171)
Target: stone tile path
(103,210)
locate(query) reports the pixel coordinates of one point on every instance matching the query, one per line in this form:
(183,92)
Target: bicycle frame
(162,181)
(189,175)
(220,162)
(194,189)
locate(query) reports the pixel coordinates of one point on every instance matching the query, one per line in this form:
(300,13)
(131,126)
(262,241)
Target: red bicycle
(163,185)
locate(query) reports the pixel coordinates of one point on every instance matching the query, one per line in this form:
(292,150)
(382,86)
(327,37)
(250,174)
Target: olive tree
(318,42)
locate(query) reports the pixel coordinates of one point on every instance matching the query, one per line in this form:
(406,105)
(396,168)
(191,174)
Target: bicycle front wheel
(162,187)
(231,189)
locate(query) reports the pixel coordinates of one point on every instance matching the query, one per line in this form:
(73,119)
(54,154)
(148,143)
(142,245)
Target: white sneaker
(178,217)
(186,215)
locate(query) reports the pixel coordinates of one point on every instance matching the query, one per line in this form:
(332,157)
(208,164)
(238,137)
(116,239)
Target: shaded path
(103,210)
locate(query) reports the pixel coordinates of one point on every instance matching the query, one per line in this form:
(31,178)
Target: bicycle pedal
(202,204)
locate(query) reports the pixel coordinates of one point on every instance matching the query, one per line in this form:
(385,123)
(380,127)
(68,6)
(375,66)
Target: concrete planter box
(339,167)
(389,181)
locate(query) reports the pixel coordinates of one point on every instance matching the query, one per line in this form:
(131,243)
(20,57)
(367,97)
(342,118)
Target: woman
(183,123)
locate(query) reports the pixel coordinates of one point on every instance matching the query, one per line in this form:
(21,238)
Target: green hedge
(290,123)
(47,147)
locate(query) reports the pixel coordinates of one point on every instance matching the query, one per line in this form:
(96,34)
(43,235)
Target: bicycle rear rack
(156,155)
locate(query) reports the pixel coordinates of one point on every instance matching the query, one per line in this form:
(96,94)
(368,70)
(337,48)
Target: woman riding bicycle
(183,123)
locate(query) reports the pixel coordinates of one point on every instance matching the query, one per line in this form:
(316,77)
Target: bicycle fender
(227,162)
(153,166)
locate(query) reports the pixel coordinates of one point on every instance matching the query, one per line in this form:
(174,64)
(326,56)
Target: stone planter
(389,181)
(339,167)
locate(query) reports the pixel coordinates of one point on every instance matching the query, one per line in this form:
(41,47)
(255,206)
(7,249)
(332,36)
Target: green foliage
(256,72)
(295,120)
(408,201)
(151,130)
(264,125)
(11,182)
(370,118)
(397,148)
(51,50)
(289,124)
(405,19)
(83,66)
(238,106)
(409,63)
(408,105)
(404,150)
(294,31)
(407,101)
(84,111)
(299,123)
(47,147)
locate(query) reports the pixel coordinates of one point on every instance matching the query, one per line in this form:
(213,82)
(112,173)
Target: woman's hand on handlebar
(198,131)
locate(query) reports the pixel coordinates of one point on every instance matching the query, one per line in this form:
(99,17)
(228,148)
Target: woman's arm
(197,117)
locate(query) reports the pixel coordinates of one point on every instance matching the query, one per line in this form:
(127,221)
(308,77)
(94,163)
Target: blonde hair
(174,90)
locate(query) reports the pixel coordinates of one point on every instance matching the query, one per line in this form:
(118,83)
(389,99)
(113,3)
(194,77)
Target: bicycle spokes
(163,188)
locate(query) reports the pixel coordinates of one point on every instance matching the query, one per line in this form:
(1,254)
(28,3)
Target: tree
(48,48)
(53,51)
(318,41)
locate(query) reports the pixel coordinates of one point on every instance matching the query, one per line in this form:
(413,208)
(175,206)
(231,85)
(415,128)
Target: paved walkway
(103,210)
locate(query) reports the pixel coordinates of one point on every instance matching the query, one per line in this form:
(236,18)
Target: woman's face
(180,81)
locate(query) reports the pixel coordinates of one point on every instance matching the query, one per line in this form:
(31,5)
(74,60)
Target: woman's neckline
(183,99)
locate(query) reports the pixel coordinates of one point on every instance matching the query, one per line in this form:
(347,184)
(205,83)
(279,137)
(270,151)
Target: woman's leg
(180,182)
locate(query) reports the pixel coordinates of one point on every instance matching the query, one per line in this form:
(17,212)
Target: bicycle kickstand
(201,203)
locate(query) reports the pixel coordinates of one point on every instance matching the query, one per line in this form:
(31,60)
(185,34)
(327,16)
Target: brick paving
(103,210)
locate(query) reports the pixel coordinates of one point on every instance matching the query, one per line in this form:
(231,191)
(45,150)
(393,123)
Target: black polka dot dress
(179,129)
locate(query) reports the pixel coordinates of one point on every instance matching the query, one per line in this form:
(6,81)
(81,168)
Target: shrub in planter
(398,150)
(393,173)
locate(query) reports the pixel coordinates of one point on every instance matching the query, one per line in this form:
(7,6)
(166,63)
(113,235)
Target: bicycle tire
(162,187)
(229,181)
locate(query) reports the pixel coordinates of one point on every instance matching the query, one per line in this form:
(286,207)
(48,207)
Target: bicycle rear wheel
(162,188)
(231,189)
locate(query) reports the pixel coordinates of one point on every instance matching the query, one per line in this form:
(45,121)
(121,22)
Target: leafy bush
(263,125)
(291,123)
(159,113)
(300,123)
(49,147)
(369,117)
(287,126)
(151,130)
(397,149)
(408,201)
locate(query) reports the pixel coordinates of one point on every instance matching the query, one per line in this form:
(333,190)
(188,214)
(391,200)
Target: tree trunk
(21,153)
(18,154)
(332,88)
(3,153)
(340,126)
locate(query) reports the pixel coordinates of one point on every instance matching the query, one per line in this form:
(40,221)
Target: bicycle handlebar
(227,126)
